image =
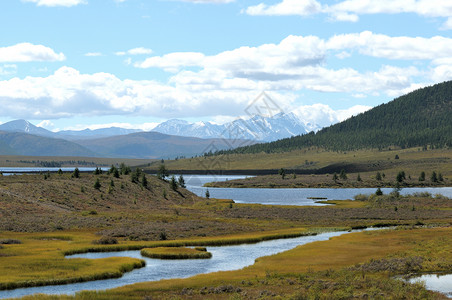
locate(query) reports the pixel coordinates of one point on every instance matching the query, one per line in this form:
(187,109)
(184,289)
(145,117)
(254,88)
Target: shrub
(10,242)
(379,192)
(97,184)
(361,197)
(163,236)
(105,241)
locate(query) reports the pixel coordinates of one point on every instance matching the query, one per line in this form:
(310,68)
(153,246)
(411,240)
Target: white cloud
(299,63)
(53,3)
(47,124)
(209,1)
(401,48)
(173,62)
(349,10)
(26,52)
(135,51)
(324,115)
(68,93)
(286,7)
(8,69)
(93,54)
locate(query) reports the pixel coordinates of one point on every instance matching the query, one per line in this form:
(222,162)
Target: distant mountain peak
(258,128)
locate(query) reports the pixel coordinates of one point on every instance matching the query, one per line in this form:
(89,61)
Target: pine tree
(162,173)
(144,181)
(378,176)
(76,173)
(343,175)
(97,184)
(173,183)
(400,176)
(207,194)
(335,178)
(434,177)
(181,181)
(422,176)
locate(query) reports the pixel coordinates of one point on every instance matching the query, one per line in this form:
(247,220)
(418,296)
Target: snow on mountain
(256,128)
(26,127)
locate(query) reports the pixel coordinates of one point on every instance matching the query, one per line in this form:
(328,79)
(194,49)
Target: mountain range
(256,128)
(173,138)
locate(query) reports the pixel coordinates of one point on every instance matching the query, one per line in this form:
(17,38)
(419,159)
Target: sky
(75,64)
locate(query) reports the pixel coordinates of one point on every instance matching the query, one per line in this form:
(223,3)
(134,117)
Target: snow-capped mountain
(256,128)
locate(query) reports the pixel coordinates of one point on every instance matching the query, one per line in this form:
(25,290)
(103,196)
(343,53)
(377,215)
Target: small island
(176,253)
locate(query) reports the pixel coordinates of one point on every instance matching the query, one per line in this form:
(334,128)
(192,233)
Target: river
(224,258)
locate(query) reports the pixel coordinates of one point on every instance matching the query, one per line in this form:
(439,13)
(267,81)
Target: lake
(224,258)
(287,196)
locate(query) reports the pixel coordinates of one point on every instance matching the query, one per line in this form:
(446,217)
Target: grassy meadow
(324,163)
(44,217)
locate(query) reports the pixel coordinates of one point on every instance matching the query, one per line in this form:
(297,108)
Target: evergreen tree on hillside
(420,118)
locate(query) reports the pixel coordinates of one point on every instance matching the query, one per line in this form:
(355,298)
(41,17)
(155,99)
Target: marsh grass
(250,238)
(344,267)
(175,253)
(39,261)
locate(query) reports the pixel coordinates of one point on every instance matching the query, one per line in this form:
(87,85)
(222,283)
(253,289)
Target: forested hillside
(419,119)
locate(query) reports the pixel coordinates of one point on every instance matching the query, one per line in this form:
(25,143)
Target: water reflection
(436,282)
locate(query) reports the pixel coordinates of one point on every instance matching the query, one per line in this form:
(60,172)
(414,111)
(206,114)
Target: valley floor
(42,218)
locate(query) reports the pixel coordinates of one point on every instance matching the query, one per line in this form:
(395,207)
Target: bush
(97,184)
(379,192)
(106,241)
(361,197)
(10,242)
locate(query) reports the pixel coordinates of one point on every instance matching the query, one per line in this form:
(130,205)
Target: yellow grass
(335,254)
(413,160)
(39,259)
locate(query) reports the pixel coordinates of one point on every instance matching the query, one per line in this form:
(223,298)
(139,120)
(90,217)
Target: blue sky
(134,63)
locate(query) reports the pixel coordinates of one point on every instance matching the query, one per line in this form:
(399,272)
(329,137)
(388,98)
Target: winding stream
(224,258)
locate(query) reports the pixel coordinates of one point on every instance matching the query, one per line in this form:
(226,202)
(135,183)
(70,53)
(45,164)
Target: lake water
(287,196)
(11,171)
(439,283)
(224,258)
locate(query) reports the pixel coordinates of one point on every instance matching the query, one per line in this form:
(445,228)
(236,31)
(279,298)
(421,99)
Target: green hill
(17,143)
(418,119)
